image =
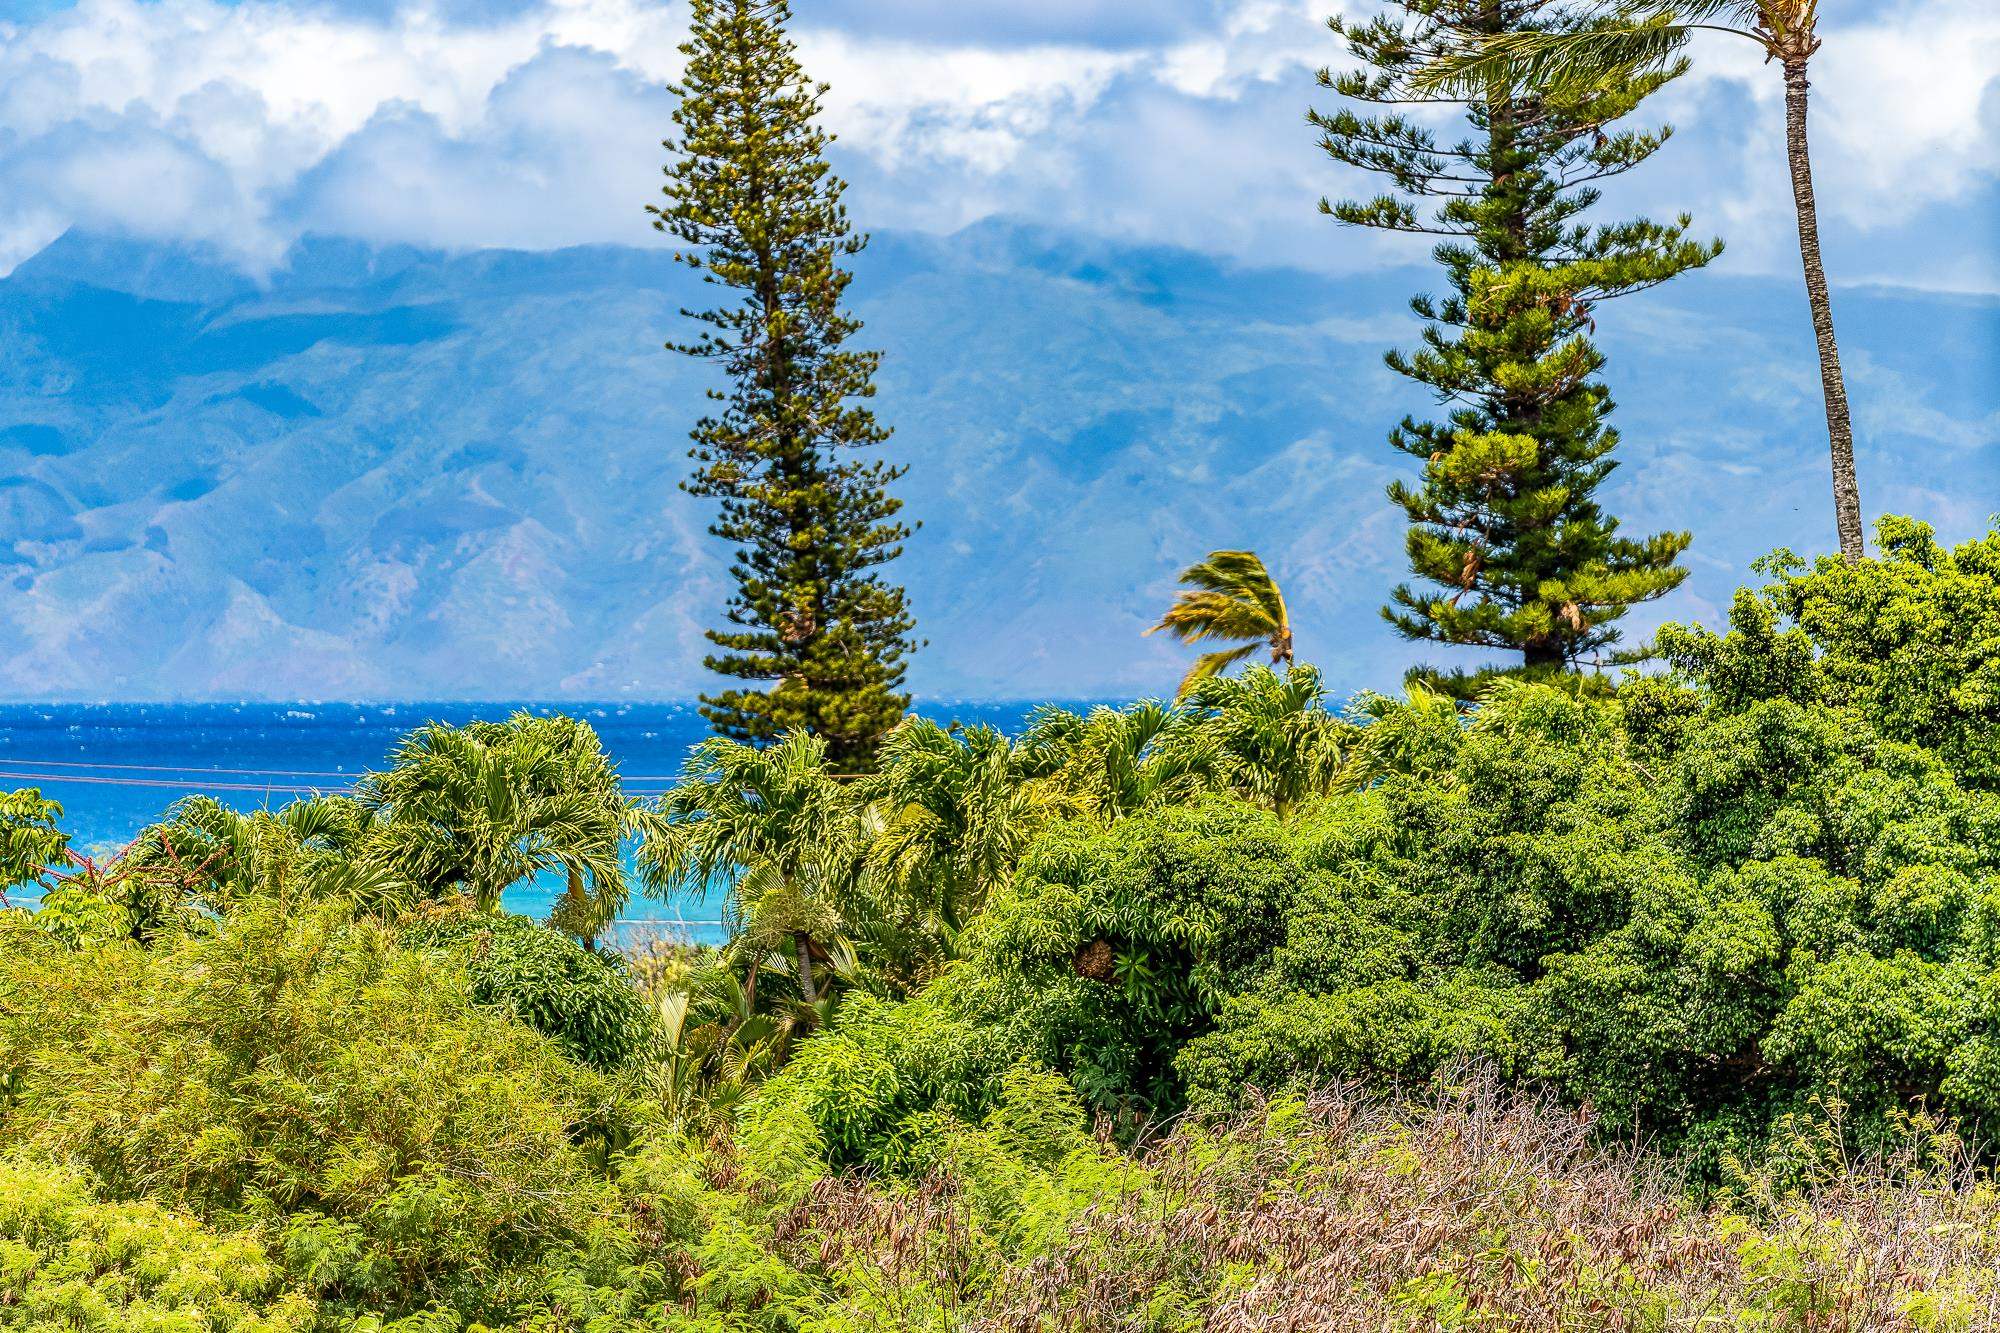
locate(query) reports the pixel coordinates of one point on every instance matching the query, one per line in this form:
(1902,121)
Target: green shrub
(581,999)
(1784,907)
(1112,948)
(403,1145)
(1697,929)
(1910,641)
(865,1084)
(30,841)
(70,1262)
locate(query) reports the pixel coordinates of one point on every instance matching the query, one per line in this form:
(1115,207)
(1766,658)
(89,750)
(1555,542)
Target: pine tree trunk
(1840,430)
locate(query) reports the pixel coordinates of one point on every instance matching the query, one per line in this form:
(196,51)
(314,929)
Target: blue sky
(535,123)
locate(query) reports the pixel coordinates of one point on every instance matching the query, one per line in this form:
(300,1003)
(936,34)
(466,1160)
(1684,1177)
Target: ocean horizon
(117,767)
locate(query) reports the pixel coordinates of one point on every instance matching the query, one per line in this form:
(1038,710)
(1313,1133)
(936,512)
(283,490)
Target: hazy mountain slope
(407,474)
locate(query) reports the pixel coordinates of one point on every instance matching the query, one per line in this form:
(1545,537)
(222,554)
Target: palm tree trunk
(803,943)
(1840,430)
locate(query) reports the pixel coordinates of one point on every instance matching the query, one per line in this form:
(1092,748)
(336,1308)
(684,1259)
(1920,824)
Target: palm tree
(1642,34)
(479,808)
(714,1049)
(957,807)
(205,856)
(1417,736)
(1118,762)
(1279,746)
(779,828)
(1231,596)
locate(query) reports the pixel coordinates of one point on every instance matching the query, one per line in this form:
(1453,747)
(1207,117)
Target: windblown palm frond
(1230,597)
(1566,61)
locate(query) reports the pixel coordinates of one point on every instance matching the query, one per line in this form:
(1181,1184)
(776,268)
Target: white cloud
(537,170)
(537,123)
(1900,98)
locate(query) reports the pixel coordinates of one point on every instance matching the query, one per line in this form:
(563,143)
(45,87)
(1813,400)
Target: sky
(536,124)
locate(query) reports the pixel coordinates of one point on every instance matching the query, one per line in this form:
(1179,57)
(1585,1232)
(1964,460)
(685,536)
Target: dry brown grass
(1475,1207)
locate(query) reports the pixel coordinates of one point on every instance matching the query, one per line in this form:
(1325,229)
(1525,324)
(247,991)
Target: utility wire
(349,775)
(185,768)
(180,784)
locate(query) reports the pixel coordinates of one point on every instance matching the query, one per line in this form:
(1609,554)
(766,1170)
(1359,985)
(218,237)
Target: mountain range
(392,473)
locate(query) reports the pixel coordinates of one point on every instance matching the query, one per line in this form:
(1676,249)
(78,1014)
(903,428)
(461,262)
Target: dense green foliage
(402,1145)
(583,1000)
(749,192)
(72,1263)
(1231,1012)
(1503,521)
(31,841)
(1733,894)
(264,1073)
(1910,640)
(840,884)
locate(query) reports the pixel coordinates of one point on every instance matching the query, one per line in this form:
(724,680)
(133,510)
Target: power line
(195,786)
(172,784)
(347,775)
(184,768)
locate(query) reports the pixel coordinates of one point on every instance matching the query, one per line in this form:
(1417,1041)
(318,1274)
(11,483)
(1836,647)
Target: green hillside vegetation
(1241,1009)
(1527,996)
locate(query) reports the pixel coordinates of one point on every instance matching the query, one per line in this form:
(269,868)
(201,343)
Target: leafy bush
(581,999)
(1112,947)
(403,1146)
(70,1262)
(1910,641)
(30,841)
(868,1084)
(1697,913)
(1784,908)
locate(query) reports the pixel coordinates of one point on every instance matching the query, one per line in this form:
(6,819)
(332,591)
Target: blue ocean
(116,767)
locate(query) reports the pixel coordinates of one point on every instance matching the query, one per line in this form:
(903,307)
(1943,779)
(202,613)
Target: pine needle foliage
(1503,524)
(815,633)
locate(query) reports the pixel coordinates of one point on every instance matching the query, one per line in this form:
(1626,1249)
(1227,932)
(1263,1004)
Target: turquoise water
(116,767)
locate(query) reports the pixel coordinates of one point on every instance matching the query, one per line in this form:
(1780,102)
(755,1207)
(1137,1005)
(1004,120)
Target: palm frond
(1229,597)
(1640,40)
(1213,664)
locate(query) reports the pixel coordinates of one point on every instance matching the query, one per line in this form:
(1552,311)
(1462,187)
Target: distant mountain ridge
(395,473)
